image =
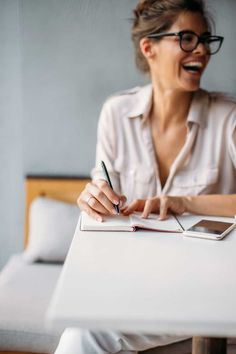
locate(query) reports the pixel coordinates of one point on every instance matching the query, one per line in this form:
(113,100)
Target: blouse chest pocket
(137,181)
(195,182)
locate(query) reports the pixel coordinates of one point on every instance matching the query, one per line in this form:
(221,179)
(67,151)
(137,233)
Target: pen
(109,182)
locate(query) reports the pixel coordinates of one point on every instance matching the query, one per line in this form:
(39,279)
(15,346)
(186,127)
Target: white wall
(76,53)
(59,61)
(221,72)
(11,162)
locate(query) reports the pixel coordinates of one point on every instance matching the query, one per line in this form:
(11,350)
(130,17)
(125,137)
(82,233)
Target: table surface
(148,281)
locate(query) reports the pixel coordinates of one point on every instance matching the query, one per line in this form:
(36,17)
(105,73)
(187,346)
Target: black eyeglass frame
(201,39)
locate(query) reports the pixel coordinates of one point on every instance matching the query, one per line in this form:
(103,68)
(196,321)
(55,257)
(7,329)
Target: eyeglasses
(189,40)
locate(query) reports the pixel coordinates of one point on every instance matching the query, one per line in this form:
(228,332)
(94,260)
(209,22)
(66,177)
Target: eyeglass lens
(189,42)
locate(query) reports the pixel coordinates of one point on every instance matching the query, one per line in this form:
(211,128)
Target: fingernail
(99,219)
(114,212)
(116,202)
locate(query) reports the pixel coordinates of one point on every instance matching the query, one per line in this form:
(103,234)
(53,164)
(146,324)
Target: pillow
(52,225)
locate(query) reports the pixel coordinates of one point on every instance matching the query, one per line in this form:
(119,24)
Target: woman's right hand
(98,199)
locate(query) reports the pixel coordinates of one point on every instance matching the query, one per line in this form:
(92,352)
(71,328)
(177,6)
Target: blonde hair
(153,16)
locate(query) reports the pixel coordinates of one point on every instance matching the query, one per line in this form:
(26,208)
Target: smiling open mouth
(193,67)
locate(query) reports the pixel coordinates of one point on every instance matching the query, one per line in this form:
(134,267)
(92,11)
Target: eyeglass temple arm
(157,35)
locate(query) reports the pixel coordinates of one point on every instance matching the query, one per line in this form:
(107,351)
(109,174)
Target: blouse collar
(142,102)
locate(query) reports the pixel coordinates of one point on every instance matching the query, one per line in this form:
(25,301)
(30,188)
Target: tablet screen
(211,227)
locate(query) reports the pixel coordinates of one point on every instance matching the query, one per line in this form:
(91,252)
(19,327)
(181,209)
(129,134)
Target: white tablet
(210,229)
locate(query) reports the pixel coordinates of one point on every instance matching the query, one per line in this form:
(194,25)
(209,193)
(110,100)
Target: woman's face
(170,65)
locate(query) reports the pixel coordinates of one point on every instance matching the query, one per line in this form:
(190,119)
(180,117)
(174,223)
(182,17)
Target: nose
(200,49)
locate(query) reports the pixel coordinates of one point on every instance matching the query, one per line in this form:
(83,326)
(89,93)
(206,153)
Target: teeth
(195,64)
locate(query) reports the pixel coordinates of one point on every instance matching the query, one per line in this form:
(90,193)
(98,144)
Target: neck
(169,106)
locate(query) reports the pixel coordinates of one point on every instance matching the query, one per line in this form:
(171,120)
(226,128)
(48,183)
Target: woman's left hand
(162,205)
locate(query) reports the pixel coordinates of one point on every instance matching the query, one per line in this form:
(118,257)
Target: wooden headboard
(61,188)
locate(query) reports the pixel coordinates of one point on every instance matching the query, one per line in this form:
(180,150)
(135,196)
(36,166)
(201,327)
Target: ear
(147,48)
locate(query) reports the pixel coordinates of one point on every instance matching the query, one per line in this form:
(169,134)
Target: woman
(168,146)
(170,138)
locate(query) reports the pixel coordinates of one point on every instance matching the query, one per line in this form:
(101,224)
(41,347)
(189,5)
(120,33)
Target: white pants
(77,341)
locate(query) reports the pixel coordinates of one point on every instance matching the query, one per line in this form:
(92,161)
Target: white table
(147,281)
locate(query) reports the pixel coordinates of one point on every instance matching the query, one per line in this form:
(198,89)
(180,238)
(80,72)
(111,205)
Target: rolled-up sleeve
(106,147)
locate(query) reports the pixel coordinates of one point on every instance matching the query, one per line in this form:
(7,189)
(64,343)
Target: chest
(167,146)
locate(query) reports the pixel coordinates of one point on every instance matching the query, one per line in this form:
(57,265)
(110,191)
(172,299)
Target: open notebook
(130,223)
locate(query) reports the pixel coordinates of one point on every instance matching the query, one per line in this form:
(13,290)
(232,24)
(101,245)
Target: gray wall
(59,60)
(11,138)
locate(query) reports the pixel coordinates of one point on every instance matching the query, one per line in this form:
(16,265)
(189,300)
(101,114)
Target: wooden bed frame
(61,188)
(57,187)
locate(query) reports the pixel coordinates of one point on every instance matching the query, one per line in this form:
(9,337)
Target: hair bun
(143,7)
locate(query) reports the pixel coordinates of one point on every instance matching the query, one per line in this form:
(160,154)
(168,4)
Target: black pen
(109,182)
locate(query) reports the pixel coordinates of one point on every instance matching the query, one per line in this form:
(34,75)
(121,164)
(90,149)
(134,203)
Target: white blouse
(205,165)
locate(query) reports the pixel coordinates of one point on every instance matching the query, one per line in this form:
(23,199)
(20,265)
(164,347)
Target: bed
(26,286)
